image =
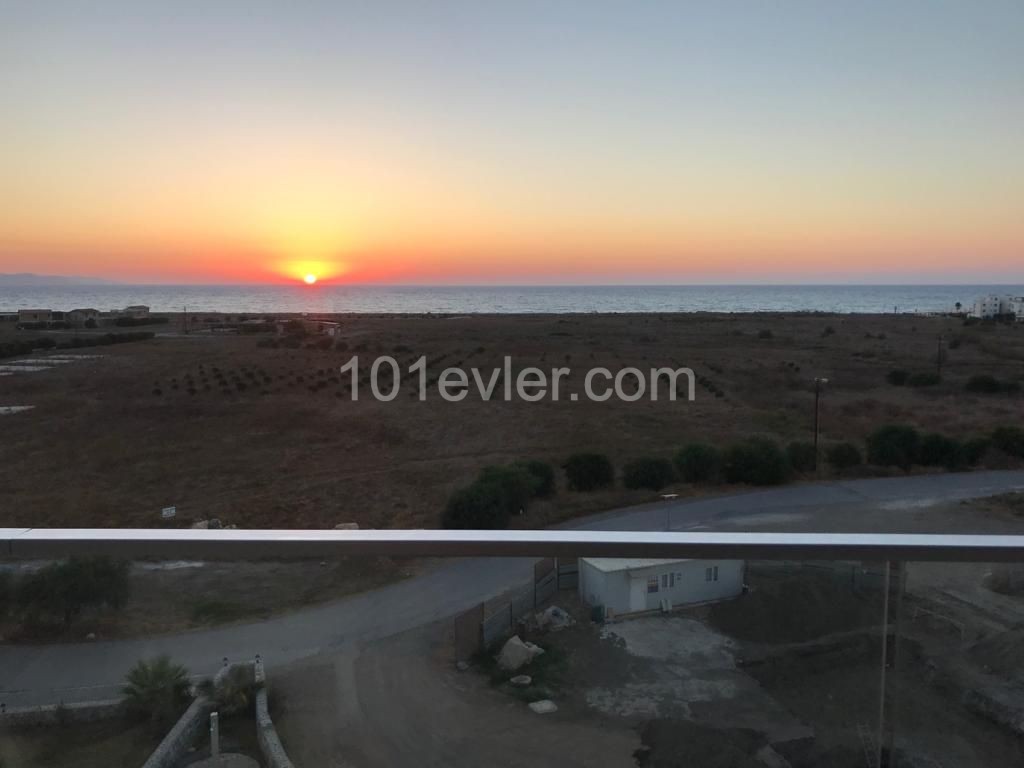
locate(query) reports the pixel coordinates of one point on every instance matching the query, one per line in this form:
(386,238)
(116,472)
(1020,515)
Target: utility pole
(184,322)
(818,382)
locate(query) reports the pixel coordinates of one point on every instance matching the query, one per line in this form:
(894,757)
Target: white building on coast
(992,306)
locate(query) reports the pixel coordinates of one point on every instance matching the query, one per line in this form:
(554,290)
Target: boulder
(515,654)
(521,681)
(201,525)
(1003,704)
(554,619)
(347,527)
(770,758)
(544,706)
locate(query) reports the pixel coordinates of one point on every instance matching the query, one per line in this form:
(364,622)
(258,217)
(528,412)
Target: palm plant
(156,690)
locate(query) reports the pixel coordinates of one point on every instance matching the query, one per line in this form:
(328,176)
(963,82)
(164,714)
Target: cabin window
(652,585)
(711,574)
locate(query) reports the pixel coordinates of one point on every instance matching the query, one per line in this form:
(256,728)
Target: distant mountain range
(25,279)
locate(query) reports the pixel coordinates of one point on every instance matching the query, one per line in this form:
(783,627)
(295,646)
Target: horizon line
(105,283)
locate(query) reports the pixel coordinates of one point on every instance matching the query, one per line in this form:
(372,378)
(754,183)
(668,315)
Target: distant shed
(623,585)
(35,315)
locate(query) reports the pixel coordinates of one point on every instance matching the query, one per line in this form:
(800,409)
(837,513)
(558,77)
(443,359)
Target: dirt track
(400,703)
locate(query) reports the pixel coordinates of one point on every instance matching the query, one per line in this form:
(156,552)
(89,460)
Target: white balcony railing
(255,544)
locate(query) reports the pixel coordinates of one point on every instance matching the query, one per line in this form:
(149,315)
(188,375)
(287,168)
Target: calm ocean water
(505,299)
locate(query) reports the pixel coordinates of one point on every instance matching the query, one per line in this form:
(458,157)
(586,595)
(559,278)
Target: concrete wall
(51,714)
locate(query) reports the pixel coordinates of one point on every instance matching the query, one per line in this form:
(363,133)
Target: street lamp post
(818,383)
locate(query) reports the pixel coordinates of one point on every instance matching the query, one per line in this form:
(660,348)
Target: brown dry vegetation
(102,449)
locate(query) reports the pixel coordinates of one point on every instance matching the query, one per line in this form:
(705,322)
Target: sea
(502,299)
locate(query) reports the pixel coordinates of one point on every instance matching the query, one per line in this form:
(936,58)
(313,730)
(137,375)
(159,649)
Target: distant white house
(1015,304)
(623,586)
(82,316)
(35,315)
(312,326)
(137,311)
(992,306)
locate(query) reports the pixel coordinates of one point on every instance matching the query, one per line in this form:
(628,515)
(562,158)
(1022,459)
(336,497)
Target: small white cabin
(623,585)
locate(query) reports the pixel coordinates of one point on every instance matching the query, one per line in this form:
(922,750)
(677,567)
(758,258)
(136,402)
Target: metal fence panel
(568,575)
(496,628)
(522,603)
(545,588)
(468,637)
(543,567)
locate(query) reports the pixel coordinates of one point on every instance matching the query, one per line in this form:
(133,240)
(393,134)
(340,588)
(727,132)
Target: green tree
(156,690)
(757,461)
(975,449)
(1009,440)
(477,506)
(898,377)
(647,472)
(515,484)
(589,471)
(6,592)
(543,475)
(61,591)
(924,379)
(894,445)
(698,463)
(983,384)
(937,450)
(801,456)
(844,456)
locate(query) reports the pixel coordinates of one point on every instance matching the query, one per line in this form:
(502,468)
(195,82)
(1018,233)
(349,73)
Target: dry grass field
(221,426)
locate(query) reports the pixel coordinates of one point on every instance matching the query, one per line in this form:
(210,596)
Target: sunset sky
(516,142)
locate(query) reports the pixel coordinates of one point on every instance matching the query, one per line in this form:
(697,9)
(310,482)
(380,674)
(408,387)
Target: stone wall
(188,730)
(182,736)
(266,734)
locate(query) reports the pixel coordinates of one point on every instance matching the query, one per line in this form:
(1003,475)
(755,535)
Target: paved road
(32,675)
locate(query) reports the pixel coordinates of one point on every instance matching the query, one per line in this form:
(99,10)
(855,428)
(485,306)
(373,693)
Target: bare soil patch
(222,427)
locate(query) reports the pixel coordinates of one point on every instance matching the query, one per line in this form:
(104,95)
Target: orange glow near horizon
(385,152)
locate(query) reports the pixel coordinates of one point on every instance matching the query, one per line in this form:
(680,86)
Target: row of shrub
(119,337)
(501,492)
(57,594)
(903,446)
(20,347)
(55,325)
(990,385)
(133,322)
(978,384)
(902,378)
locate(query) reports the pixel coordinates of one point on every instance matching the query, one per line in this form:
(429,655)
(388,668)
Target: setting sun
(310,279)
